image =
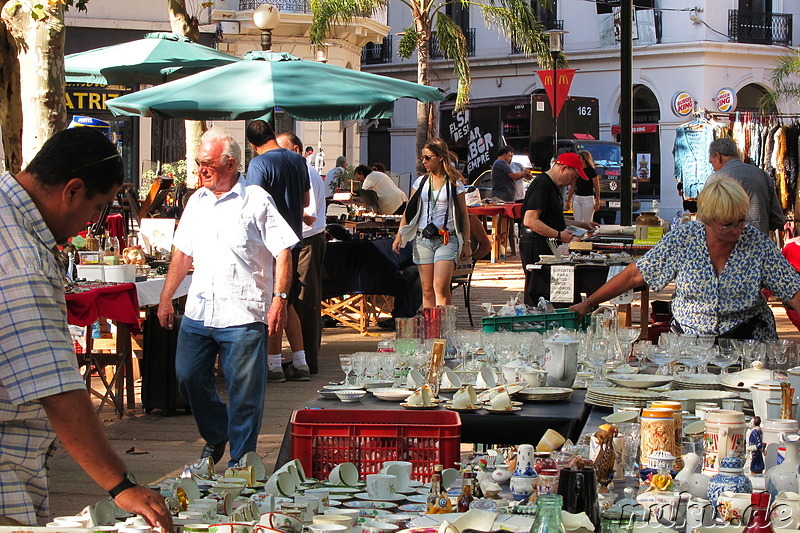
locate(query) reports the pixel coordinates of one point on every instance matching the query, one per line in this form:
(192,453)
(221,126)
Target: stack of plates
(608,396)
(696,382)
(544,394)
(391,394)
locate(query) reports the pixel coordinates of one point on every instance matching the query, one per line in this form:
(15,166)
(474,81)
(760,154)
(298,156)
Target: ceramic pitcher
(723,437)
(783,478)
(561,360)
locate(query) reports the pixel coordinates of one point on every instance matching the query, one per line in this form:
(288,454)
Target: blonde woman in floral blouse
(719,264)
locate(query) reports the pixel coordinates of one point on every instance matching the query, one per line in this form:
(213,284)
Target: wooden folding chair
(462,277)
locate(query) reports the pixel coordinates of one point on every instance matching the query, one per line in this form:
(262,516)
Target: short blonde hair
(722,200)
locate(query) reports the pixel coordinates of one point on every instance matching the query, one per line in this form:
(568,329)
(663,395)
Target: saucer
(461,409)
(503,411)
(409,406)
(395,498)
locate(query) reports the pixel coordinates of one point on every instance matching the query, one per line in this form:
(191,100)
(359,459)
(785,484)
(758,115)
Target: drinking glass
(359,366)
(373,366)
(779,351)
(662,357)
(627,336)
(723,356)
(598,355)
(630,430)
(346,362)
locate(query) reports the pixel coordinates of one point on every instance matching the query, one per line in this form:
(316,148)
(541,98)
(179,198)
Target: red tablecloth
(510,210)
(116,302)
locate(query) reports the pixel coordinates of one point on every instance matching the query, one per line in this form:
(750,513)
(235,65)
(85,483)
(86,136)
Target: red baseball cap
(573,160)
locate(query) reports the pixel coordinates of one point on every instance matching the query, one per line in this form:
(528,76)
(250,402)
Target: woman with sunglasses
(719,264)
(436,219)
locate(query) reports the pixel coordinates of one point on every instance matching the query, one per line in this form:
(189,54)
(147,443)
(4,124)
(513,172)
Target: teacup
(399,469)
(246,473)
(501,402)
(254,460)
(486,378)
(449,476)
(533,377)
(305,510)
(202,468)
(375,526)
(280,484)
(465,398)
(71,525)
(314,503)
(282,522)
(343,520)
(195,528)
(450,379)
(322,494)
(381,486)
(415,379)
(230,528)
(420,397)
(344,474)
(328,528)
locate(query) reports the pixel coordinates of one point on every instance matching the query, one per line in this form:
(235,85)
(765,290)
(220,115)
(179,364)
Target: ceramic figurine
(692,480)
(604,462)
(783,477)
(730,478)
(523,481)
(755,445)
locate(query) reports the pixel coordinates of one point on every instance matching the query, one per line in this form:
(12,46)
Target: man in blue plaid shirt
(42,394)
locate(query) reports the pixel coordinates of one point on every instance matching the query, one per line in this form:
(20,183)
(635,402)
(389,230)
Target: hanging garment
(778,155)
(691,156)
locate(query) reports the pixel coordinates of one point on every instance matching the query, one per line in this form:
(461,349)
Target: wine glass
(627,336)
(359,366)
(346,362)
(662,357)
(779,350)
(598,355)
(723,356)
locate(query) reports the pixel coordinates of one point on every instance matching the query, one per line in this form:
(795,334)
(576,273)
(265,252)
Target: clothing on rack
(690,152)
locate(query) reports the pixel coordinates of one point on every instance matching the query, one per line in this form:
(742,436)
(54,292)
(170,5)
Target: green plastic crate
(537,323)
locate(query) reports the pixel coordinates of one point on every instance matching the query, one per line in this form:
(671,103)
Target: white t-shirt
(390,196)
(316,205)
(439,198)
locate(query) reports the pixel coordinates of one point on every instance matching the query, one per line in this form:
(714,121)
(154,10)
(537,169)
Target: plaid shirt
(36,352)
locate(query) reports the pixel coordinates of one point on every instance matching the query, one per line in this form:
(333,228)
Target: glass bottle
(477,492)
(436,489)
(759,520)
(548,515)
(466,497)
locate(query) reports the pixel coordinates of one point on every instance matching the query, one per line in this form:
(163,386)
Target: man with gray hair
(765,211)
(334,175)
(231,232)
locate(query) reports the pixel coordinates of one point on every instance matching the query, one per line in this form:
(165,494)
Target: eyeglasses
(108,158)
(209,163)
(426,157)
(739,224)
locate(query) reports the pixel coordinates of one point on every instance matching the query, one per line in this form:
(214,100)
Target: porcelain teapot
(561,360)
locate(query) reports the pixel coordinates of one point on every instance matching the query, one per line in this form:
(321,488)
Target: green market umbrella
(306,90)
(155,59)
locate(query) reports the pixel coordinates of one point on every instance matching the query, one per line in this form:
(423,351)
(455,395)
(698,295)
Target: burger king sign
(726,100)
(682,104)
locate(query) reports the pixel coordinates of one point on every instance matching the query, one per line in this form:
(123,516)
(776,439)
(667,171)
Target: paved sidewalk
(156,446)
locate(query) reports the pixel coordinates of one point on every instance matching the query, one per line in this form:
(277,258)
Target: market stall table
(119,304)
(362,275)
(503,215)
(482,427)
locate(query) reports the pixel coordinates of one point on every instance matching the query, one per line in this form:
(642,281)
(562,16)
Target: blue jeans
(242,351)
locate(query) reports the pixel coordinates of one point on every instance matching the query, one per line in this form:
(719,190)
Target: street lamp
(266,18)
(556,46)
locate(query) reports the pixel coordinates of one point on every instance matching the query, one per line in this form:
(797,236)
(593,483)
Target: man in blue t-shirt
(284,174)
(504,177)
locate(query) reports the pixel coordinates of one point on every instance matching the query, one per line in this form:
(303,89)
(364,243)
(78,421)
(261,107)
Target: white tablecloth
(149,292)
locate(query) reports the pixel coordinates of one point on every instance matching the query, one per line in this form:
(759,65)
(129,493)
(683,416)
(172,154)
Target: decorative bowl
(350,395)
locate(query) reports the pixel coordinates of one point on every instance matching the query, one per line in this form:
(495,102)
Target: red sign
(616,129)
(562,84)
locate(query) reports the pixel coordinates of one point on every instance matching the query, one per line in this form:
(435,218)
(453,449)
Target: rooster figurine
(604,461)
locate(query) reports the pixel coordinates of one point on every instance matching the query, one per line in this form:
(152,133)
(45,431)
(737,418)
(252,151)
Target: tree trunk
(182,24)
(422,24)
(10,103)
(40,52)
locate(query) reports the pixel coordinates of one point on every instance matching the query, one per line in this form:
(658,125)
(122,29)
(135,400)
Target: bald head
(290,141)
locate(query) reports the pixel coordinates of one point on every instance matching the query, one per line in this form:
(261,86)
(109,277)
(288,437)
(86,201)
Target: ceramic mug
(304,510)
(230,528)
(724,436)
(281,522)
(399,469)
(381,486)
(731,506)
(375,526)
(195,528)
(340,519)
(328,528)
(344,474)
(322,494)
(314,505)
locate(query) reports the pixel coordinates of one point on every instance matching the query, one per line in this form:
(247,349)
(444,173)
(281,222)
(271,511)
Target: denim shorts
(429,251)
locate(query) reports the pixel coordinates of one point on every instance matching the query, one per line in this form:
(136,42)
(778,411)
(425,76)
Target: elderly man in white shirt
(231,233)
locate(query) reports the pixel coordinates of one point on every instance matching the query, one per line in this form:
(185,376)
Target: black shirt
(544,195)
(586,187)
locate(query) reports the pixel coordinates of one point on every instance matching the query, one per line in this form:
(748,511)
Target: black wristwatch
(281,295)
(127,482)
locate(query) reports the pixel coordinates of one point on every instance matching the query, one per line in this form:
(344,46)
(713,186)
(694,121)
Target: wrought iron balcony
(436,51)
(547,24)
(760,28)
(374,53)
(287,6)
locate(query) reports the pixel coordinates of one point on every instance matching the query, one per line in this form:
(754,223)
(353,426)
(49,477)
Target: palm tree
(514,18)
(784,80)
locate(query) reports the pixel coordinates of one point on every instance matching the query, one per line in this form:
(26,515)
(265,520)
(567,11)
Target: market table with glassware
(526,425)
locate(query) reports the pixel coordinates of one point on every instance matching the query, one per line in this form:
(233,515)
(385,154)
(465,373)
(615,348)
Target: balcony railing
(436,51)
(374,53)
(550,24)
(760,28)
(288,6)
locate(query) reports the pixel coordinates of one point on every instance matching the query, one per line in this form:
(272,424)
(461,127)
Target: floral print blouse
(708,304)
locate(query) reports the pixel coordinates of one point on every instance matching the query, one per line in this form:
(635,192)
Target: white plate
(369,504)
(503,411)
(638,381)
(395,498)
(421,407)
(418,498)
(461,409)
(342,387)
(390,394)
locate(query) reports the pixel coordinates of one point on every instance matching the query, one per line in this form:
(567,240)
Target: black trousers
(537,283)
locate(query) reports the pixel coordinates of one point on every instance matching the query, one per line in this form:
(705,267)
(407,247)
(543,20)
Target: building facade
(695,49)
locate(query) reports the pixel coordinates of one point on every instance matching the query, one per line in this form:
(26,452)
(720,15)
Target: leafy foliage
(328,13)
(408,43)
(784,80)
(176,171)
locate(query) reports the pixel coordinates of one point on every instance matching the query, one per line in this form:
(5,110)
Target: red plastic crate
(323,438)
